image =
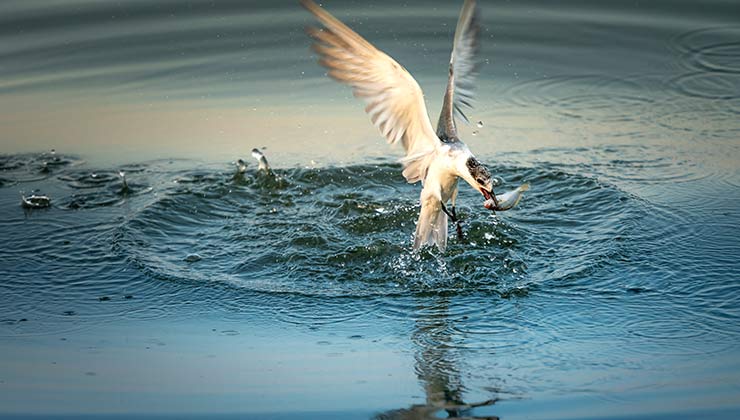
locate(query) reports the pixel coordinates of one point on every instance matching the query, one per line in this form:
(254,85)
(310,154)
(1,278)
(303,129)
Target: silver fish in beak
(506,200)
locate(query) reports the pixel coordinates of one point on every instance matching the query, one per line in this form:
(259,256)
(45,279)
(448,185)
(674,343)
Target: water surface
(611,291)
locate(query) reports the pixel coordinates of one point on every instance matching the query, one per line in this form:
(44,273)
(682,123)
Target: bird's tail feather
(431,229)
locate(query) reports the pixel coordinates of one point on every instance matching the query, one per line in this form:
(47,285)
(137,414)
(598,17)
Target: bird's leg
(447,212)
(453,216)
(460,235)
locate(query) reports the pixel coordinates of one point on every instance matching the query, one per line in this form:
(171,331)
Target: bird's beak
(486,193)
(487,190)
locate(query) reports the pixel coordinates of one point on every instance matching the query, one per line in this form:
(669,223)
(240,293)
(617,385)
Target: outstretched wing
(463,69)
(394,100)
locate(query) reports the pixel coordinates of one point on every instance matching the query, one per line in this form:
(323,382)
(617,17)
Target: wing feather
(460,90)
(395,102)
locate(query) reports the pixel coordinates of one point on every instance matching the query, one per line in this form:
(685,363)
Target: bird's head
(478,177)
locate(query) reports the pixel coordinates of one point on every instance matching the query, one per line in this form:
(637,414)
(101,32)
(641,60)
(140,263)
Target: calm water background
(613,290)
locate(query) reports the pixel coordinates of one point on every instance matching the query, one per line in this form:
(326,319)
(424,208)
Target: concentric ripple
(347,232)
(708,85)
(584,97)
(26,168)
(712,59)
(714,49)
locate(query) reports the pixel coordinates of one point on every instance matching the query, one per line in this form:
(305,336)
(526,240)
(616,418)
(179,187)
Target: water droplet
(480,124)
(475,132)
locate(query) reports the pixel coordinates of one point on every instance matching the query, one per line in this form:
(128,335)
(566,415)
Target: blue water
(611,291)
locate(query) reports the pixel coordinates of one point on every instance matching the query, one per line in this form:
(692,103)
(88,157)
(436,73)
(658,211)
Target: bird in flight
(395,104)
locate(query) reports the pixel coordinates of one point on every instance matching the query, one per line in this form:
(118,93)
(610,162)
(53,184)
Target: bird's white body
(395,104)
(440,186)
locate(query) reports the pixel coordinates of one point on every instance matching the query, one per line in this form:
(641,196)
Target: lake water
(611,291)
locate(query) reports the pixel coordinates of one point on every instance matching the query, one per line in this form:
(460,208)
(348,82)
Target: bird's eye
(480,181)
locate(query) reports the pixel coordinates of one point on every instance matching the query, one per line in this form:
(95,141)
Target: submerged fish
(506,200)
(34,201)
(264,166)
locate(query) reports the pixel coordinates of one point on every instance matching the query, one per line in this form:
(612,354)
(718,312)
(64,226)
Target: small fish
(34,201)
(506,200)
(264,166)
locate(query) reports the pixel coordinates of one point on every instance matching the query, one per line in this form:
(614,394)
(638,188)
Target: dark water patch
(343,228)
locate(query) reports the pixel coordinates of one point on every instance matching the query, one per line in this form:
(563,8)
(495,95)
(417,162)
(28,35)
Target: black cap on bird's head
(480,177)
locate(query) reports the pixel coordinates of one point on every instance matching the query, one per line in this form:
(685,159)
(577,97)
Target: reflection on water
(436,369)
(610,289)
